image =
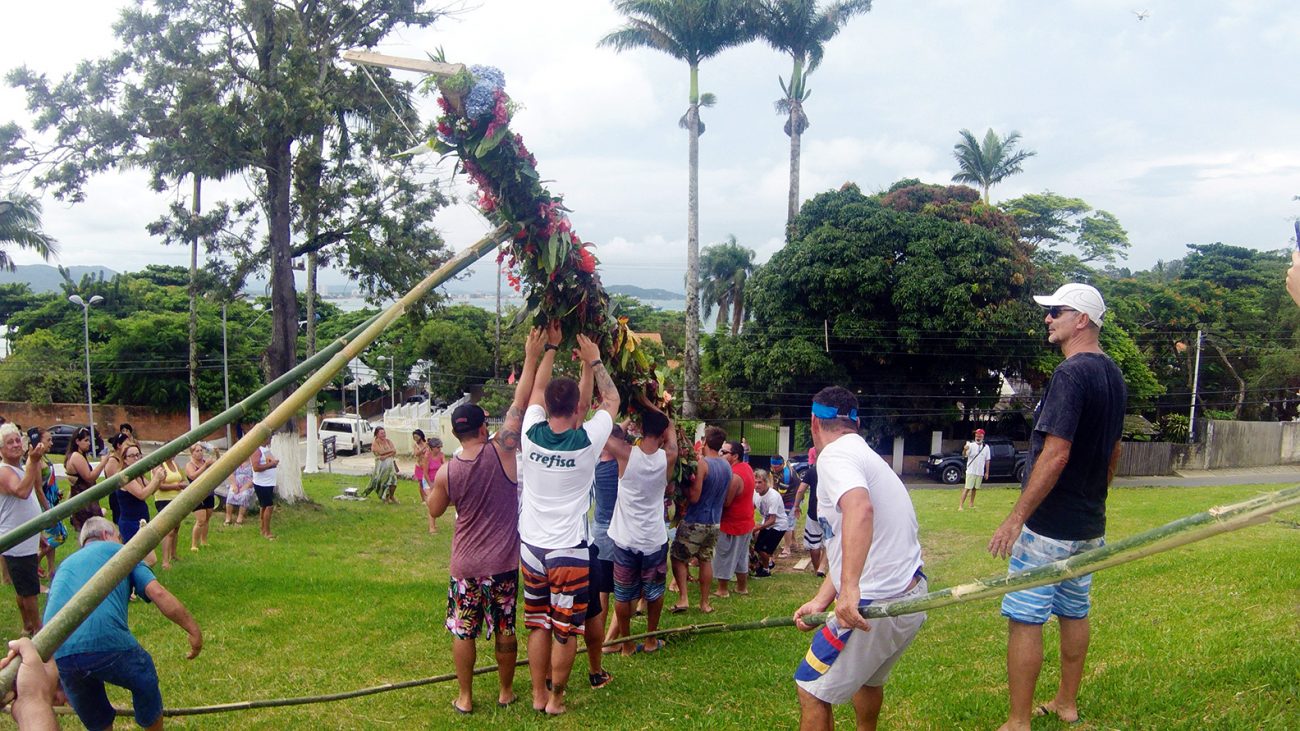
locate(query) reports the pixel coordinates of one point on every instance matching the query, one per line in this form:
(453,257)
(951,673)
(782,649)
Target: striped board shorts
(1070,599)
(812,535)
(556,584)
(840,661)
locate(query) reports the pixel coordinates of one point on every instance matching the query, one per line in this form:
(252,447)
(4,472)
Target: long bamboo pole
(1169,536)
(177,445)
(116,569)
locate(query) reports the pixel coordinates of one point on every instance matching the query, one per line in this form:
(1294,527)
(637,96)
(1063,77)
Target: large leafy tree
(691,31)
(724,270)
(20,226)
(801,29)
(901,296)
(987,163)
(274,96)
(1050,221)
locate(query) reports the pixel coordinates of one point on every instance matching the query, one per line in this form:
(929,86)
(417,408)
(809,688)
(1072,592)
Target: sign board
(329,446)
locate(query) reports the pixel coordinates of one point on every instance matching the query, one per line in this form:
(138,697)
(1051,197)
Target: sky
(1181,124)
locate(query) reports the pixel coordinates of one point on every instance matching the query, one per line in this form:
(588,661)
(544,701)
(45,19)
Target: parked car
(418,398)
(1006,463)
(61,435)
(352,433)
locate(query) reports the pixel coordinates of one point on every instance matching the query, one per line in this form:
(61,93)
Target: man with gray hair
(103,650)
(1061,512)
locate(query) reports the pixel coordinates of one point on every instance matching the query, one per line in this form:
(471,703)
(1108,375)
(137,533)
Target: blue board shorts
(1070,599)
(84,674)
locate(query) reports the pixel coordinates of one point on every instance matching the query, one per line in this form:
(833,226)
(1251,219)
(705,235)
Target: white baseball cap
(1082,297)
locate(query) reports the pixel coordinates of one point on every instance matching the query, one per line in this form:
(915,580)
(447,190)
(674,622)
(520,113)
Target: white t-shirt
(977,455)
(894,556)
(638,520)
(265,478)
(770,504)
(557,477)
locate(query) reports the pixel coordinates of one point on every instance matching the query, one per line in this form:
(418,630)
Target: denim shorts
(84,674)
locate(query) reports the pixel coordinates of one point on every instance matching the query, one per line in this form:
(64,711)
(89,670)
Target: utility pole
(1196,382)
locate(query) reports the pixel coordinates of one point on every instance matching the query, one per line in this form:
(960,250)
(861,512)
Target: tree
(889,295)
(281,88)
(724,270)
(692,31)
(20,225)
(1048,220)
(42,369)
(988,163)
(801,29)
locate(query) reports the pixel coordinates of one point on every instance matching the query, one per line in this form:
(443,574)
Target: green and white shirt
(558,474)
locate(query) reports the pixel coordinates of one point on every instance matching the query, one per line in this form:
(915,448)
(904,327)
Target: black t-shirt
(810,479)
(1084,404)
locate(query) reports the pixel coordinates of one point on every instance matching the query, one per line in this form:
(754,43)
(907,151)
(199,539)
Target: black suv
(1006,463)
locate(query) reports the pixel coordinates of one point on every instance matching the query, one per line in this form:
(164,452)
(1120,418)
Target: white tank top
(15,511)
(265,478)
(638,520)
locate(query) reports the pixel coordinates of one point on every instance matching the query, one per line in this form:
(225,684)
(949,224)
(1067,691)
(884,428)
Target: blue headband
(822,411)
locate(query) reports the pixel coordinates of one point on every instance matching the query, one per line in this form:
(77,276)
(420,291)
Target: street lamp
(85,311)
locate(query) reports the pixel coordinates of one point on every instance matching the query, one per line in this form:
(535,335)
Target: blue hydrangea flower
(482,96)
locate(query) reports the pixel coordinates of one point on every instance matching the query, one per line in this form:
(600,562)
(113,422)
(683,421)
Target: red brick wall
(150,424)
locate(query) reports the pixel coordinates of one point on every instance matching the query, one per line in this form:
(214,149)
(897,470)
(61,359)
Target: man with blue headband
(870,533)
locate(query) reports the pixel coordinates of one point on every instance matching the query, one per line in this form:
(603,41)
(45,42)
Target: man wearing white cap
(977,468)
(1062,509)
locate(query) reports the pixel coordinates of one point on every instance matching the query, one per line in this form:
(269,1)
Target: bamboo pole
(177,445)
(116,569)
(1169,536)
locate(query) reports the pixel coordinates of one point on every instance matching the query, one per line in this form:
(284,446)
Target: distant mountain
(43,278)
(642,293)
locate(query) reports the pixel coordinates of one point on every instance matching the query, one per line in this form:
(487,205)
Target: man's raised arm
(543,377)
(590,353)
(508,438)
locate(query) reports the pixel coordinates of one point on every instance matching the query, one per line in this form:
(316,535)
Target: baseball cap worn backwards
(1082,297)
(467,417)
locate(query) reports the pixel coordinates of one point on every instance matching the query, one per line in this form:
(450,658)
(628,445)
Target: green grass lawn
(353,594)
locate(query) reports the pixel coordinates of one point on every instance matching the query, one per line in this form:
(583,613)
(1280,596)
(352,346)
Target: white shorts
(840,662)
(812,535)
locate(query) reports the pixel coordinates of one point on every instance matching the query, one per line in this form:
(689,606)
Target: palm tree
(20,225)
(691,31)
(989,163)
(724,271)
(801,29)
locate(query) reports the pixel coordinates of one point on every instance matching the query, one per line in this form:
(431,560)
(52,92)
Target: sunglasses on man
(1055,311)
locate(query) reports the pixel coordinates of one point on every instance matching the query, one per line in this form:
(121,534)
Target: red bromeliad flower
(587,262)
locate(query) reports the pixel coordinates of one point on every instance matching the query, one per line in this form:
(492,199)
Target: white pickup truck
(353,434)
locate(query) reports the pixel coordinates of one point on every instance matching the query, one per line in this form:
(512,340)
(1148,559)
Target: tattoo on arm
(509,437)
(608,393)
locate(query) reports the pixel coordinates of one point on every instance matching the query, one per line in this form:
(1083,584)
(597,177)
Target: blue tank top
(130,508)
(714,492)
(605,494)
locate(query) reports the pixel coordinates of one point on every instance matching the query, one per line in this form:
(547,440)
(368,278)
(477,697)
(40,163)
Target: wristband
(550,346)
(597,362)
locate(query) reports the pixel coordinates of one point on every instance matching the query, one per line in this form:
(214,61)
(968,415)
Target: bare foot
(722,595)
(706,609)
(555,706)
(742,593)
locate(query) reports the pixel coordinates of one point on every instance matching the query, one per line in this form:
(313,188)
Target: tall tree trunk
(720,322)
(796,144)
(737,309)
(284,301)
(194,309)
(691,358)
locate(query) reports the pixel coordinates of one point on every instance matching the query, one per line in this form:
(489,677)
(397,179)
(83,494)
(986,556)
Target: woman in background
(80,475)
(241,491)
(133,511)
(384,479)
(198,464)
(173,481)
